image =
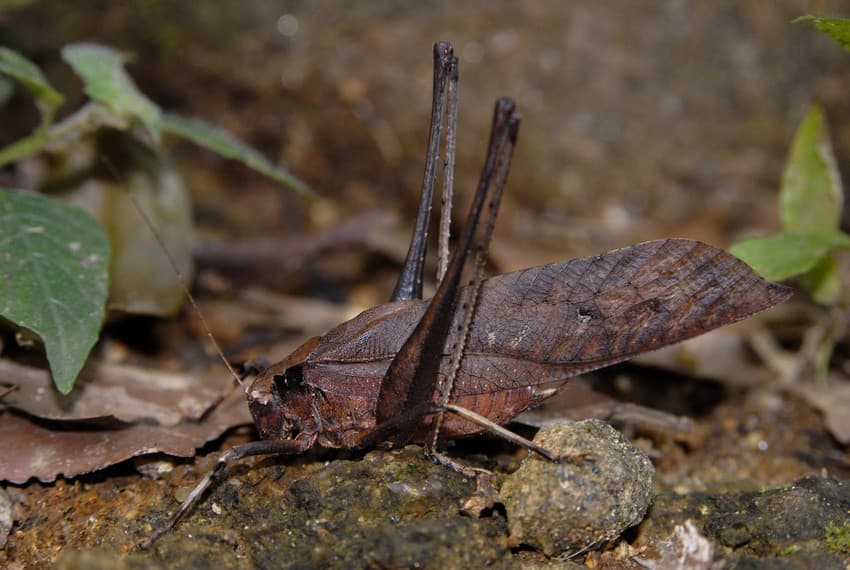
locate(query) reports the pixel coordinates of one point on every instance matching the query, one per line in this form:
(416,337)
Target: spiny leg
(485,495)
(288,447)
(412,376)
(507,434)
(497,172)
(409,285)
(448,174)
(403,422)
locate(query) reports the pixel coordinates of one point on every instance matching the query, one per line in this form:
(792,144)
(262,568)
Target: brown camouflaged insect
(473,357)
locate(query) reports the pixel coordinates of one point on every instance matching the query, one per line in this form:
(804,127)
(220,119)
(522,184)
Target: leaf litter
(118,411)
(89,437)
(119,392)
(33,449)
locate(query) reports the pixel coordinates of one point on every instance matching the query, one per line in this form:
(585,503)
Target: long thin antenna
(8,391)
(182,280)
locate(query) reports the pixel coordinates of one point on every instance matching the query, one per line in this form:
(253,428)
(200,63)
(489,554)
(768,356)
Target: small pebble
(6,518)
(153,466)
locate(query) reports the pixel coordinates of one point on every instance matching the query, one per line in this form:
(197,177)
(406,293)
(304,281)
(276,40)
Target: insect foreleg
(283,447)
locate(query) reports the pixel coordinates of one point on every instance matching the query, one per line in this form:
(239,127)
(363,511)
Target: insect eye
(289,379)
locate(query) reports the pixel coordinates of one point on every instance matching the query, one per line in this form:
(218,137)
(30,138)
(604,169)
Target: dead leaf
(32,450)
(256,307)
(722,355)
(125,393)
(365,230)
(832,398)
(577,401)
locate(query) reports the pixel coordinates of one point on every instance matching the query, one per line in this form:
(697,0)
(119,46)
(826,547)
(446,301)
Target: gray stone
(560,508)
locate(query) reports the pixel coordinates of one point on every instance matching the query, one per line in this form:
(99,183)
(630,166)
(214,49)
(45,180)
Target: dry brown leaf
(123,392)
(367,230)
(260,307)
(721,355)
(832,398)
(33,451)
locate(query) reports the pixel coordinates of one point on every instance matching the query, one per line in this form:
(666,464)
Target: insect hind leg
(508,435)
(485,495)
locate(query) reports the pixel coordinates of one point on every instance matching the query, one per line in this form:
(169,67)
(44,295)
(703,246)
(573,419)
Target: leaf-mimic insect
(475,356)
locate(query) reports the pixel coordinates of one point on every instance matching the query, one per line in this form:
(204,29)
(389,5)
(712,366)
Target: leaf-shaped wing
(548,323)
(545,324)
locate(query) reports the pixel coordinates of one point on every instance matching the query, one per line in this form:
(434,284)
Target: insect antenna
(249,449)
(8,391)
(180,278)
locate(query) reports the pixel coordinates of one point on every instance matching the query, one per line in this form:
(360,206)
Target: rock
(560,508)
(760,529)
(684,549)
(6,518)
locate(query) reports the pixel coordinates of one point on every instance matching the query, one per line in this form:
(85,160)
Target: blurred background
(640,120)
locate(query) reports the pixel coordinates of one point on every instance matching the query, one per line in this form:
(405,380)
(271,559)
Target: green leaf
(105,80)
(823,282)
(86,120)
(810,198)
(48,100)
(21,148)
(7,89)
(836,28)
(785,255)
(30,76)
(225,144)
(53,277)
